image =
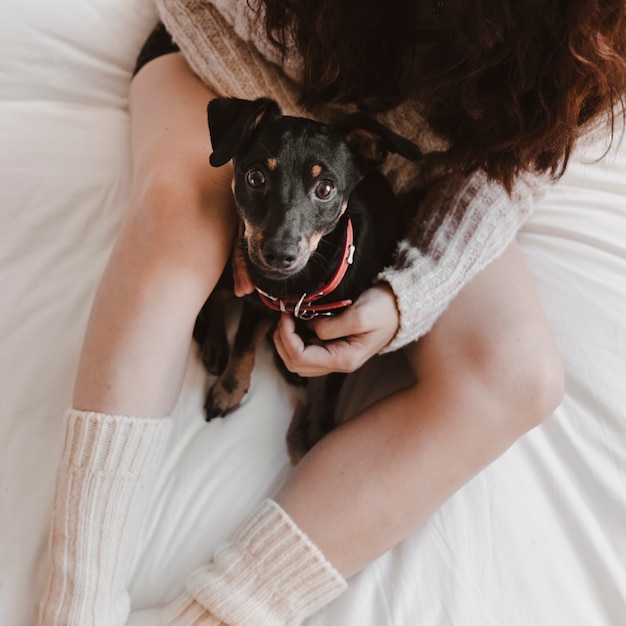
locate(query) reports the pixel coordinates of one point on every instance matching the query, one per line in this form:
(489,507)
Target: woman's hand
(347,340)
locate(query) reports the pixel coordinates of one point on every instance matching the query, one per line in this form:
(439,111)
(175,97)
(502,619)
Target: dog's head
(293,176)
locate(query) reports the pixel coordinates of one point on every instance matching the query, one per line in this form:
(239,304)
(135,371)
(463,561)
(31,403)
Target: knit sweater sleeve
(455,233)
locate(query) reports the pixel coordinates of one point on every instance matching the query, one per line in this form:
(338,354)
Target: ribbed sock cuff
(115,444)
(183,611)
(271,573)
(103,484)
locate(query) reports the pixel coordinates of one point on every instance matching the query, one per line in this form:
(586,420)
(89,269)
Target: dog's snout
(279,253)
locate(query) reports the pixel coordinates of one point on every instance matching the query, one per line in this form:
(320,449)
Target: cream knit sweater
(456,231)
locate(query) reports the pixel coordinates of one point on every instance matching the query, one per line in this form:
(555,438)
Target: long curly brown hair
(511,83)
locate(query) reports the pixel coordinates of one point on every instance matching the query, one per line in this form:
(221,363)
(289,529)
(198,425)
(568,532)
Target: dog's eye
(255,178)
(325,189)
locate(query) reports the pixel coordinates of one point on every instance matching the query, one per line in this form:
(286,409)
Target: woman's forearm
(454,234)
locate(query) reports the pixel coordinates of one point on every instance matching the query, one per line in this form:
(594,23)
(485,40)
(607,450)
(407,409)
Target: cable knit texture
(455,232)
(102,490)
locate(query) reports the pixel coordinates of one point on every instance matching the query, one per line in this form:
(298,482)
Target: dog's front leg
(231,386)
(210,332)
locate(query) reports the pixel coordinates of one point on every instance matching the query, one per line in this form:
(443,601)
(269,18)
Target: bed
(537,539)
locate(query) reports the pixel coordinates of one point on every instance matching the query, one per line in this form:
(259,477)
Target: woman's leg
(488,372)
(173,244)
(172,247)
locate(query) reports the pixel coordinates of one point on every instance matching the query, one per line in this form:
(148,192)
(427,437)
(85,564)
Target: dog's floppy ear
(371,141)
(232,121)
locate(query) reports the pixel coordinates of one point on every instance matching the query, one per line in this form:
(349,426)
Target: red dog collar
(303,307)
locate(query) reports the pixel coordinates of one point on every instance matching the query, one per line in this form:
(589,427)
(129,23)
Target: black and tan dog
(319,222)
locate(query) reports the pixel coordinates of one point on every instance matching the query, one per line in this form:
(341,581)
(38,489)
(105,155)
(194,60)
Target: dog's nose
(279,254)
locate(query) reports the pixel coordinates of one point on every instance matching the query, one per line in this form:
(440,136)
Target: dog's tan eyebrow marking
(271,164)
(316,170)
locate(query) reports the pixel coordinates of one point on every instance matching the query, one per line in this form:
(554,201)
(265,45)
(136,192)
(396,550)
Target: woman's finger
(374,312)
(316,359)
(346,341)
(306,360)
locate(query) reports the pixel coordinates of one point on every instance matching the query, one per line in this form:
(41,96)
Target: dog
(319,221)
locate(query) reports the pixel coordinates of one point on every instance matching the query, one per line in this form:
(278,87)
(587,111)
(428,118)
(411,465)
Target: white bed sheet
(539,538)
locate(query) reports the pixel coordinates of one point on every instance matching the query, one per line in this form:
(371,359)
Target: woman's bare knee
(494,344)
(182,209)
(521,370)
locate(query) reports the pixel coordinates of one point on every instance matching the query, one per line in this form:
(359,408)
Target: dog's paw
(223,397)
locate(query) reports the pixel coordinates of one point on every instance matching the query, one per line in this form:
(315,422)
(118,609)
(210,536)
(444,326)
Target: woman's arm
(456,232)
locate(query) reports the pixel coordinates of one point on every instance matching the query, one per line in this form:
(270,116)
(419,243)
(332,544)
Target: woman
(504,89)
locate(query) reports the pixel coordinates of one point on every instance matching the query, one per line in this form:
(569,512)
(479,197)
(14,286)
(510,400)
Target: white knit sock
(102,489)
(270,574)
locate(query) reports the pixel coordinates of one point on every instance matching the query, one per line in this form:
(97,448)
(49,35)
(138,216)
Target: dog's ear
(232,121)
(372,142)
